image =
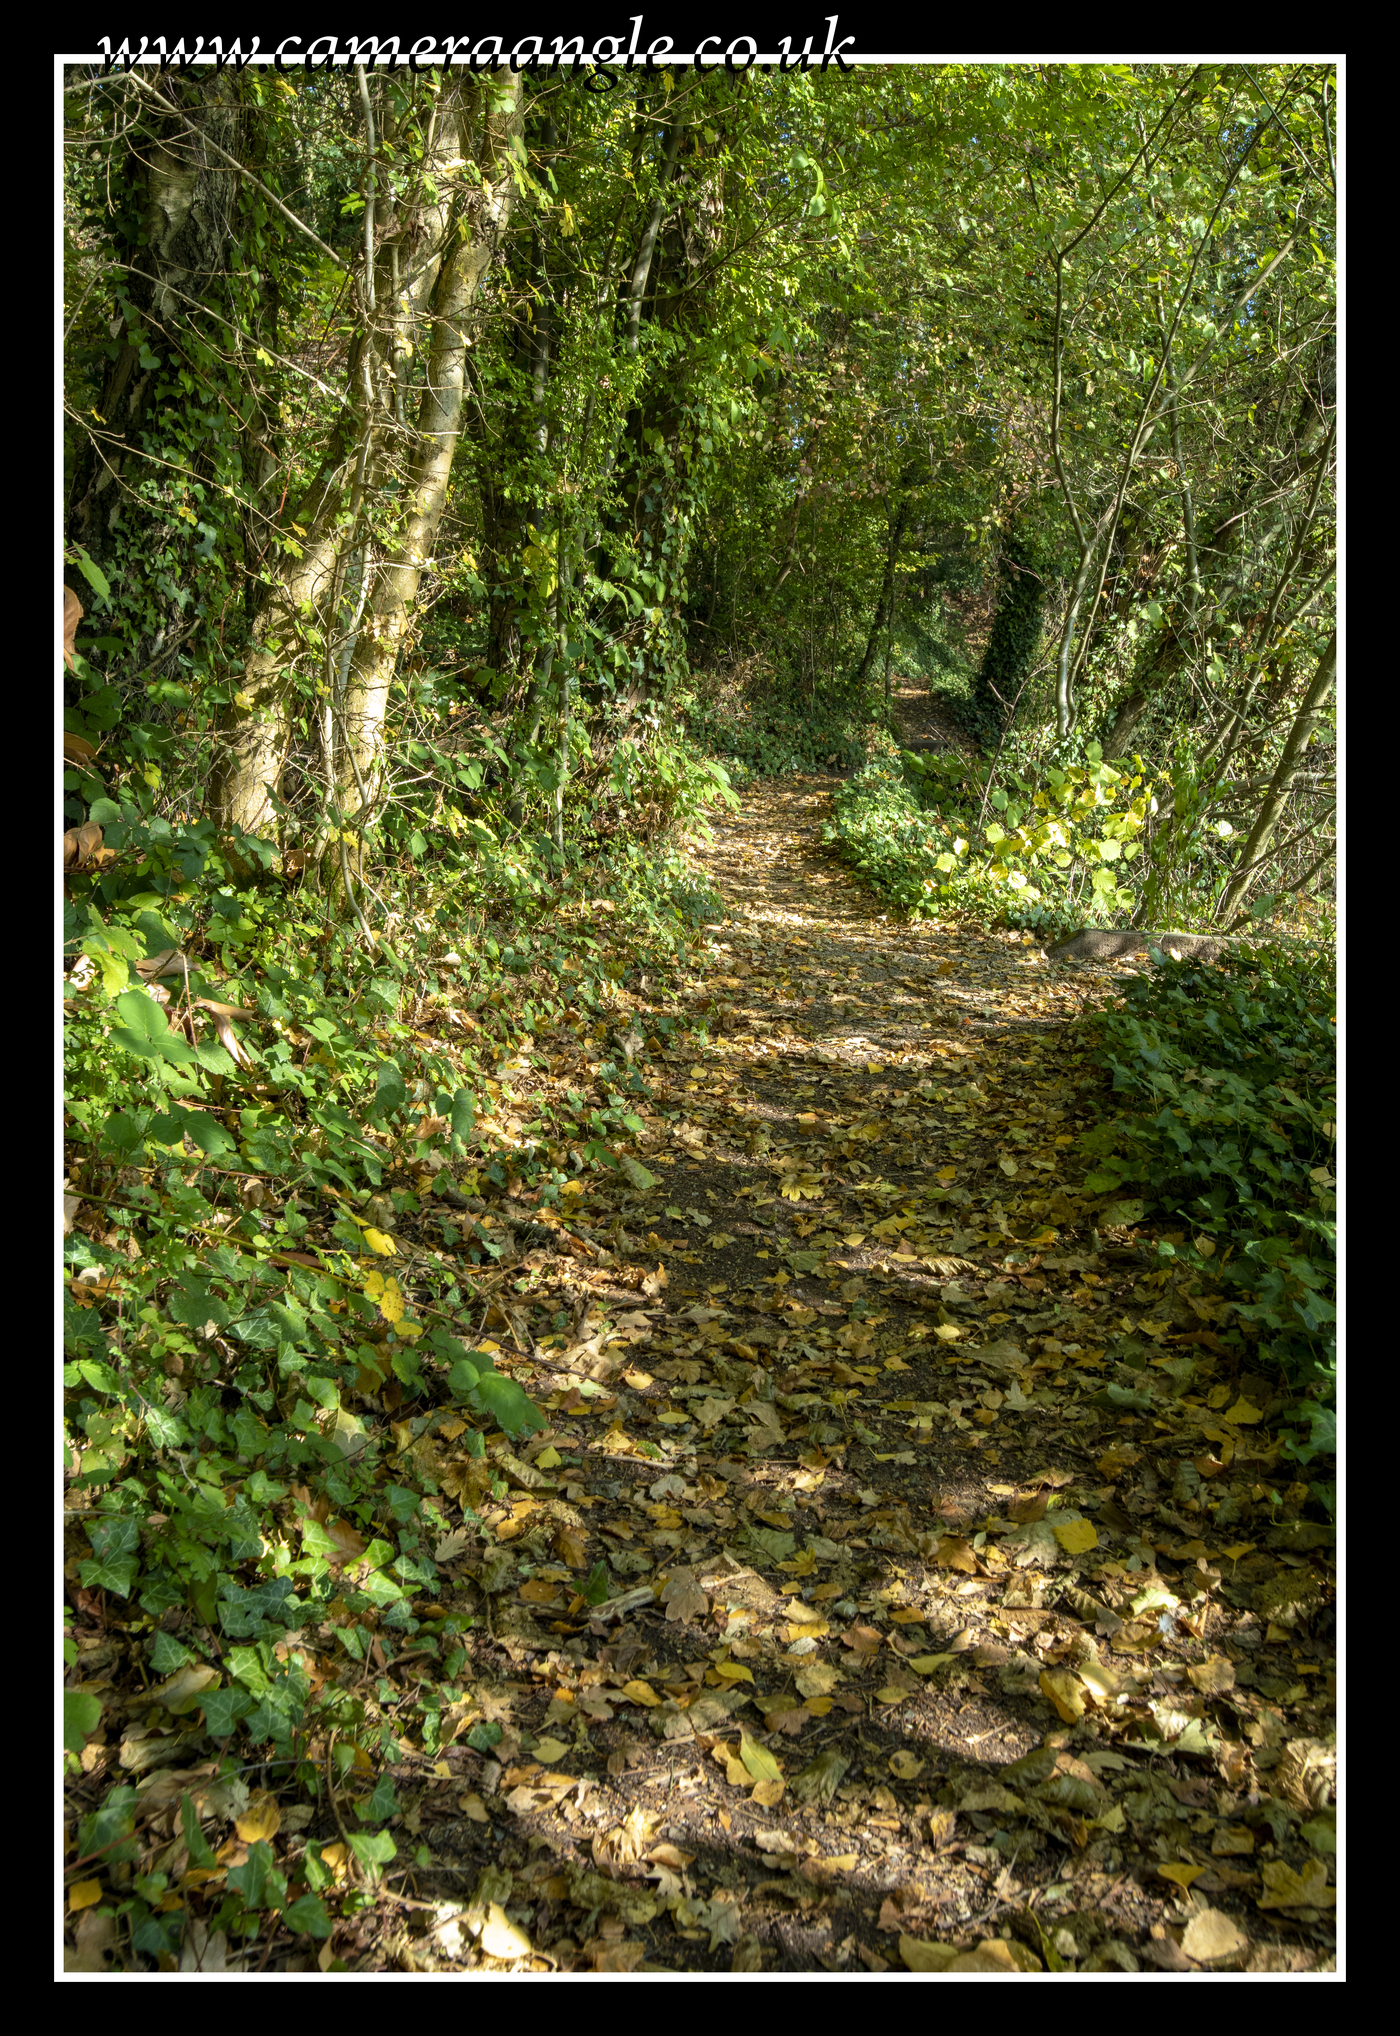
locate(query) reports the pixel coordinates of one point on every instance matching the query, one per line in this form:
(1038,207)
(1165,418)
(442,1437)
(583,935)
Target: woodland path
(918,1652)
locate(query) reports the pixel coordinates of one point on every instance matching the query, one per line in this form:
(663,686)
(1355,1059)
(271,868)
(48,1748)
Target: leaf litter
(906,1576)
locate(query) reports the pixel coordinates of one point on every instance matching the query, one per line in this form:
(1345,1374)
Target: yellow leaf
(1065,1692)
(83,1893)
(500,1938)
(808,1615)
(386,1294)
(954,1553)
(261,1819)
(181,1692)
(757,1759)
(379,1244)
(767,1793)
(640,1693)
(920,1954)
(733,1672)
(800,1565)
(1243,1414)
(1289,1890)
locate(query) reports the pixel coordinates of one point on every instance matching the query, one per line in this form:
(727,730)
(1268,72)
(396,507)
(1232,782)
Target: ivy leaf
(510,1404)
(82,1713)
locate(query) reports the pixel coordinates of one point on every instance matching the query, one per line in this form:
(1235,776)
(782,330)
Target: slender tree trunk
(886,600)
(396,581)
(1253,853)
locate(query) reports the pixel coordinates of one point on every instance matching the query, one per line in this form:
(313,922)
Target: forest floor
(960,1614)
(927,1647)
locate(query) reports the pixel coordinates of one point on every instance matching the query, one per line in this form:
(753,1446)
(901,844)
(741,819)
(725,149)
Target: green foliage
(917,832)
(1230,1079)
(473,1374)
(904,853)
(238,1298)
(256,1891)
(1014,640)
(769,737)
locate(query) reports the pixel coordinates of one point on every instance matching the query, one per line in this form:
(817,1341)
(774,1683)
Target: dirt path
(929,982)
(917,1645)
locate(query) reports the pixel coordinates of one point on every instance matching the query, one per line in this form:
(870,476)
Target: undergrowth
(771,734)
(254,1102)
(1228,1081)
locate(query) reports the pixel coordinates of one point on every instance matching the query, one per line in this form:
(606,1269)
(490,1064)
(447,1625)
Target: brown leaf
(683,1597)
(954,1553)
(81,845)
(229,1041)
(900,1905)
(169,962)
(349,1545)
(788,1717)
(72,616)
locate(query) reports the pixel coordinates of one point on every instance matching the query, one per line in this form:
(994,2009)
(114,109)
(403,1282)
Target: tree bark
(1299,736)
(395,586)
(886,600)
(299,632)
(189,209)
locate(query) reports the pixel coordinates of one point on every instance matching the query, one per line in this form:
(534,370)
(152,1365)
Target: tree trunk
(395,587)
(1299,736)
(886,600)
(188,204)
(299,633)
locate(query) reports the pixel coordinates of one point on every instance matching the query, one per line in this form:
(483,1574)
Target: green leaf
(146,1031)
(373,1850)
(193,1306)
(82,1713)
(308,1914)
(100,1376)
(389,1091)
(512,1407)
(196,1844)
(463,1113)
